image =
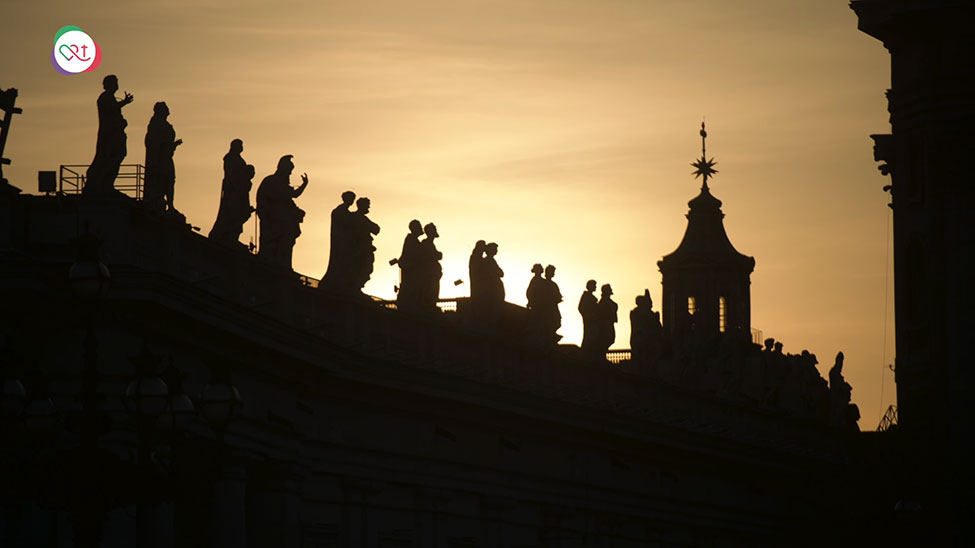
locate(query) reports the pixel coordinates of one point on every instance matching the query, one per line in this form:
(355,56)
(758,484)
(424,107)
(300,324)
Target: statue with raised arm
(279,215)
(161,143)
(235,207)
(410,278)
(110,148)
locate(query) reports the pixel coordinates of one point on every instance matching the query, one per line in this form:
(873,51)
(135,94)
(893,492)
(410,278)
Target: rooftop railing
(130,181)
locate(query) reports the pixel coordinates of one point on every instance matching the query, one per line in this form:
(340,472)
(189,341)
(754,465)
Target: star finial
(705,167)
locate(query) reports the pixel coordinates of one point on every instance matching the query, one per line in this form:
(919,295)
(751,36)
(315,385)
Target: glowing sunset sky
(563,130)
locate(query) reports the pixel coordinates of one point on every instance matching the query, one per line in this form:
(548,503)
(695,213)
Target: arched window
(691,306)
(722,310)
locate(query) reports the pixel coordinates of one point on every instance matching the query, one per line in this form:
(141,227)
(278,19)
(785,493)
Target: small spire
(705,167)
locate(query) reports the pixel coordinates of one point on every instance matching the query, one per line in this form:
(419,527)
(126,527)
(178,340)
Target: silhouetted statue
(492,288)
(552,302)
(536,294)
(279,215)
(363,253)
(475,270)
(235,207)
(543,304)
(589,309)
(8,98)
(646,333)
(410,264)
(842,413)
(161,143)
(110,149)
(607,319)
(430,270)
(339,274)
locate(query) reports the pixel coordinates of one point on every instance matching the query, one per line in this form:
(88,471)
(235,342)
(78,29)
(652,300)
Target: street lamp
(147,395)
(180,410)
(12,398)
(220,400)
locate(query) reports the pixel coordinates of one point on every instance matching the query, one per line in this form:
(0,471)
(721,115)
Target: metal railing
(757,336)
(616,357)
(445,305)
(130,181)
(889,419)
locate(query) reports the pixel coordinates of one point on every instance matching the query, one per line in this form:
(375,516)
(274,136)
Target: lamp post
(89,280)
(219,401)
(146,398)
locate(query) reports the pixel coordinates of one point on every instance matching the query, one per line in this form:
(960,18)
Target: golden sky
(560,129)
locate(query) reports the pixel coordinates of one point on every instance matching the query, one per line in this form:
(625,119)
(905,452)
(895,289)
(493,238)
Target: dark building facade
(932,112)
(315,420)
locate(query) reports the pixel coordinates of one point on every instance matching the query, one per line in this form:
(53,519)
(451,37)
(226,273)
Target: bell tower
(706,281)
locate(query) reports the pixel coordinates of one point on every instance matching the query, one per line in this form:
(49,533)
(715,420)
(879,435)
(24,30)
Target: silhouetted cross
(704,166)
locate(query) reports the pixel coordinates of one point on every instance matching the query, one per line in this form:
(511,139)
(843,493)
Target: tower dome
(706,281)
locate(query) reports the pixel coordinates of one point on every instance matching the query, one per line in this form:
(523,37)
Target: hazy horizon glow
(563,130)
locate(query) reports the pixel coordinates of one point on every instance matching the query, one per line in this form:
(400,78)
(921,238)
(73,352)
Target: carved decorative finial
(704,167)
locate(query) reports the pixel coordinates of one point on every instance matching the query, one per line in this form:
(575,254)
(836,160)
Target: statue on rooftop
(842,413)
(410,279)
(589,309)
(492,288)
(279,215)
(646,333)
(607,318)
(110,148)
(475,270)
(235,207)
(161,143)
(430,270)
(363,253)
(339,274)
(543,304)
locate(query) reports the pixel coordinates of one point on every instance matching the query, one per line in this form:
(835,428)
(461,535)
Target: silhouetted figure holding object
(842,413)
(110,149)
(279,215)
(235,207)
(410,264)
(339,274)
(589,309)
(646,333)
(607,316)
(363,252)
(430,270)
(161,143)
